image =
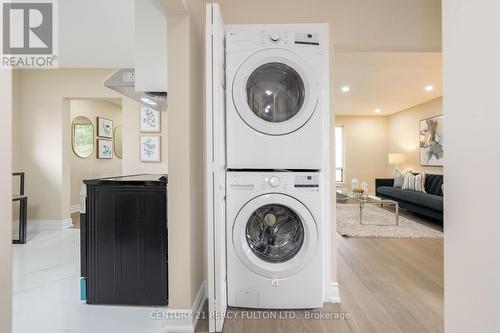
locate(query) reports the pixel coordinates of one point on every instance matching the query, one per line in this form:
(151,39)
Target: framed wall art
(150,120)
(104,149)
(151,148)
(104,127)
(431,141)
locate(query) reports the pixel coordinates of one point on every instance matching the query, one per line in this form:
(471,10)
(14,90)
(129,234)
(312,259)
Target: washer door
(275,235)
(275,92)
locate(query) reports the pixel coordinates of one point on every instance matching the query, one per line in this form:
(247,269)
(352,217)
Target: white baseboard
(185,320)
(49,225)
(334,293)
(75,209)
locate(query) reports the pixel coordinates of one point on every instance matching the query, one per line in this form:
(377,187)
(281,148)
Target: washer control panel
(286,181)
(274,181)
(308,180)
(303,38)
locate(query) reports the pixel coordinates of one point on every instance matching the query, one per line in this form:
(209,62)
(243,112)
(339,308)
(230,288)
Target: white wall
(472,117)
(5,200)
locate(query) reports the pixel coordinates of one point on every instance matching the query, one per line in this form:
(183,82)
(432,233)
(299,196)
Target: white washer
(276,95)
(274,243)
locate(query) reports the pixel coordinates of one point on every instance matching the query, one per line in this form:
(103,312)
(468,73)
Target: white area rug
(348,224)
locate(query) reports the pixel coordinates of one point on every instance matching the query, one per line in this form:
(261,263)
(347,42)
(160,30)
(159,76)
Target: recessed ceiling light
(345,89)
(429,88)
(377,110)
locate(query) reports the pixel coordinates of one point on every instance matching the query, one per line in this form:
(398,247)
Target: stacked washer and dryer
(277,152)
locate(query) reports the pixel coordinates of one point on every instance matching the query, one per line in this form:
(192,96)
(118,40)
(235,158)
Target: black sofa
(429,204)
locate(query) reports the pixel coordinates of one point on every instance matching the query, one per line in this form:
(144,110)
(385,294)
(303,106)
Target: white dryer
(274,242)
(276,95)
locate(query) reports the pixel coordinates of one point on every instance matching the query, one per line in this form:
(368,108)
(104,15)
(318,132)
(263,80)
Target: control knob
(274,36)
(274,181)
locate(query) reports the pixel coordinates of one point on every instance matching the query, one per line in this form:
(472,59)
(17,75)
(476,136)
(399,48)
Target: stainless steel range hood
(123,81)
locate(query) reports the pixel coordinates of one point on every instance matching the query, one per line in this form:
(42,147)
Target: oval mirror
(117,139)
(82,136)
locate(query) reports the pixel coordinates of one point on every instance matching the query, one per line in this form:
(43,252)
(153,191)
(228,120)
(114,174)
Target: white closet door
(215,166)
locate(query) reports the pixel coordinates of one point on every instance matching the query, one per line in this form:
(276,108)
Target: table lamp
(396,159)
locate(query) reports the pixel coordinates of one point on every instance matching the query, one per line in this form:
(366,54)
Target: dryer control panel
(312,38)
(306,38)
(274,37)
(282,37)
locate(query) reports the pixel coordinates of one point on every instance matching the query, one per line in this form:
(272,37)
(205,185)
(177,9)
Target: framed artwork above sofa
(431,141)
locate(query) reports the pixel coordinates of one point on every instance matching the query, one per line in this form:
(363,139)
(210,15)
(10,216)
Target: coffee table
(345,196)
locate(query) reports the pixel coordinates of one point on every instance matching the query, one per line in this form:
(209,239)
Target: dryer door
(275,235)
(275,92)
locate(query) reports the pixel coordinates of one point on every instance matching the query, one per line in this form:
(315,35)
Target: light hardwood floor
(386,285)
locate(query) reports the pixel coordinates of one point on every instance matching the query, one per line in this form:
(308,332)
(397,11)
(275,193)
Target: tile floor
(46,292)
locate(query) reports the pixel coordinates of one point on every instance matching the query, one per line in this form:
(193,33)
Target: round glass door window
(274,233)
(275,92)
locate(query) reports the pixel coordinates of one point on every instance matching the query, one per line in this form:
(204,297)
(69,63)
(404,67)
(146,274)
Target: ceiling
(96,33)
(100,34)
(390,81)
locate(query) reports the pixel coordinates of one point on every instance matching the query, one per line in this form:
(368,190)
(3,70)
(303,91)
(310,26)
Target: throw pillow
(408,182)
(414,182)
(420,182)
(398,179)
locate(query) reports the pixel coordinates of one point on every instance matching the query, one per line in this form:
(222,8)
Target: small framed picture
(151,148)
(104,127)
(150,120)
(104,149)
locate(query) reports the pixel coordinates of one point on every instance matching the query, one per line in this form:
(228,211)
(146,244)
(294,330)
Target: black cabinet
(124,241)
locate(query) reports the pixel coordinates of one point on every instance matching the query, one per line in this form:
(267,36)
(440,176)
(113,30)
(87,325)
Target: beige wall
(185,156)
(369,139)
(355,25)
(197,232)
(472,114)
(42,143)
(365,148)
(5,201)
(92,167)
(132,164)
(404,129)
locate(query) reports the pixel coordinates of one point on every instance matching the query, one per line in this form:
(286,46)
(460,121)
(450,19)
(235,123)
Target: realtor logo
(28,34)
